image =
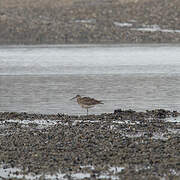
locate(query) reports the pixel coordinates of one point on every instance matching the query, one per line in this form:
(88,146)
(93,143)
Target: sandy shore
(89,21)
(120,145)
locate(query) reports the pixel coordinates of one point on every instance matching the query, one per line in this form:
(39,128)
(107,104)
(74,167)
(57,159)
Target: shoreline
(154,113)
(92,45)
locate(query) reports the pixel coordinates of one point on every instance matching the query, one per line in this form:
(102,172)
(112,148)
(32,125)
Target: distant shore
(123,144)
(89,21)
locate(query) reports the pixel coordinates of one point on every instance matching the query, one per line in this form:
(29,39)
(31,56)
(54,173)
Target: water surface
(42,79)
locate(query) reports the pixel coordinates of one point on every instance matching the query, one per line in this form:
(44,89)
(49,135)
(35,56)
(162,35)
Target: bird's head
(76,97)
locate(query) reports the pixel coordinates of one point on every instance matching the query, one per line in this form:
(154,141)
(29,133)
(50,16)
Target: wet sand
(118,145)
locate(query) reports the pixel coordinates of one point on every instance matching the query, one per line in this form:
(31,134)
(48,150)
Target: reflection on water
(43,79)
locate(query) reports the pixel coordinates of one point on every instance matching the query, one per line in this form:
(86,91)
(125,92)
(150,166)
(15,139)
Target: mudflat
(89,21)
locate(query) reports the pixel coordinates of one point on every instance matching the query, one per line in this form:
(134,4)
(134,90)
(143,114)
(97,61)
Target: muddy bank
(119,145)
(87,21)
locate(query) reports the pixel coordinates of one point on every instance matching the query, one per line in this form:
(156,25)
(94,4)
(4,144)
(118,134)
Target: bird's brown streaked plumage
(87,102)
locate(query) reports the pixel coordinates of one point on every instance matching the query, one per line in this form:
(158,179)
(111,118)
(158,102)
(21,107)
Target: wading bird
(86,102)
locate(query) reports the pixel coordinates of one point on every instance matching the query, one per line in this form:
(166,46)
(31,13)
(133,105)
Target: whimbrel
(86,102)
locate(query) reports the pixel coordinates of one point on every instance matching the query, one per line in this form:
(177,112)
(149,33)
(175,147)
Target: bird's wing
(90,101)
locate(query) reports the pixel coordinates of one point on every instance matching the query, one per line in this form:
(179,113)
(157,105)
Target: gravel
(120,145)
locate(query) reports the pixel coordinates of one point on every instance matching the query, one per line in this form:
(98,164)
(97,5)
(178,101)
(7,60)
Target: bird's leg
(87,111)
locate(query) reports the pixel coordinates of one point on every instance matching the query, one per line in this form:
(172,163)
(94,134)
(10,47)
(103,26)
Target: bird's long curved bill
(73,98)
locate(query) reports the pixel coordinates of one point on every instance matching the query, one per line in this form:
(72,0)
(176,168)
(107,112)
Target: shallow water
(42,79)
